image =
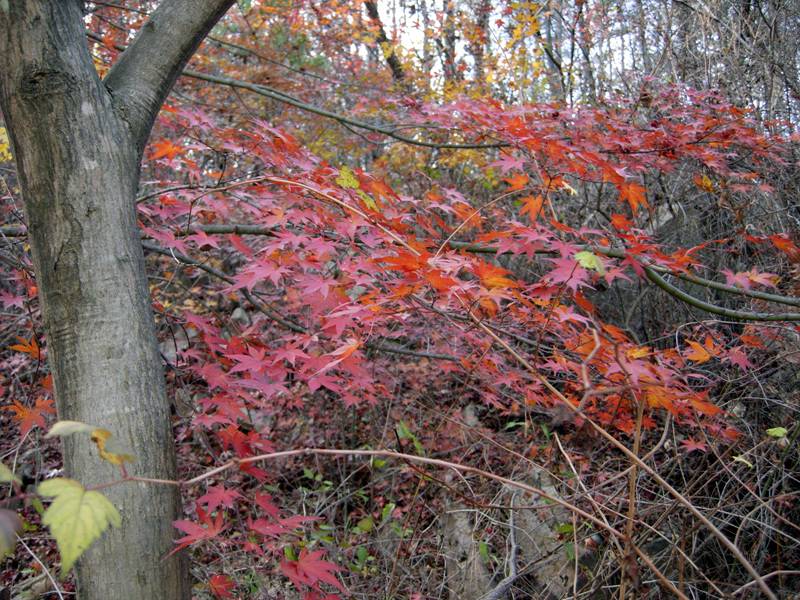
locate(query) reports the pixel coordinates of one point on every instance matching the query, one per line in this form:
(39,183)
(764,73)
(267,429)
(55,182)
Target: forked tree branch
(143,76)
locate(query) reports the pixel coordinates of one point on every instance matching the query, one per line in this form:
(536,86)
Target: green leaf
(777,432)
(289,553)
(569,548)
(387,511)
(367,200)
(589,260)
(564,528)
(743,460)
(365,525)
(483,551)
(10,525)
(7,476)
(404,433)
(76,517)
(37,505)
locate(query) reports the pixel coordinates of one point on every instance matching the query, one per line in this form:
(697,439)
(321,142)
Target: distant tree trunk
(385,46)
(446,43)
(77,143)
(479,38)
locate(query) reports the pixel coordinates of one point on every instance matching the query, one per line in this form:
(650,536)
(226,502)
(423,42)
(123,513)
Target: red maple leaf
(206,529)
(217,496)
(568,272)
(221,586)
(507,163)
(309,570)
(689,445)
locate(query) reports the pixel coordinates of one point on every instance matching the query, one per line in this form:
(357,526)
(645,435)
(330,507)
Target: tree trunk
(77,145)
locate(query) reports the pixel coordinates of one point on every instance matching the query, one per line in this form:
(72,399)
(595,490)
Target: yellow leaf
(5,147)
(61,428)
(589,260)
(703,182)
(347,179)
(108,450)
(777,432)
(7,476)
(76,517)
(639,352)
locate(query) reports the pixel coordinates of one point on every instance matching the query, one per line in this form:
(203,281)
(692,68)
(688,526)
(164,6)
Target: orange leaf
(703,182)
(342,353)
(782,242)
(621,222)
(28,347)
(705,407)
(493,276)
(517,182)
(751,340)
(165,148)
(532,205)
(638,352)
(28,418)
(712,348)
(439,282)
(698,353)
(471,218)
(405,261)
(634,194)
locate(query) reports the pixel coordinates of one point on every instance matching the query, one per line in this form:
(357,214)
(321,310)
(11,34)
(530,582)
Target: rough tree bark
(77,142)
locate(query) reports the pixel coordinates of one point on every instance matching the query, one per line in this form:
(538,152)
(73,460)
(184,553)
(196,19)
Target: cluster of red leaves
(343,268)
(341,274)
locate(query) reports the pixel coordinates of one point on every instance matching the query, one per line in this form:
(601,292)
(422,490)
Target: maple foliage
(301,271)
(309,570)
(30,417)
